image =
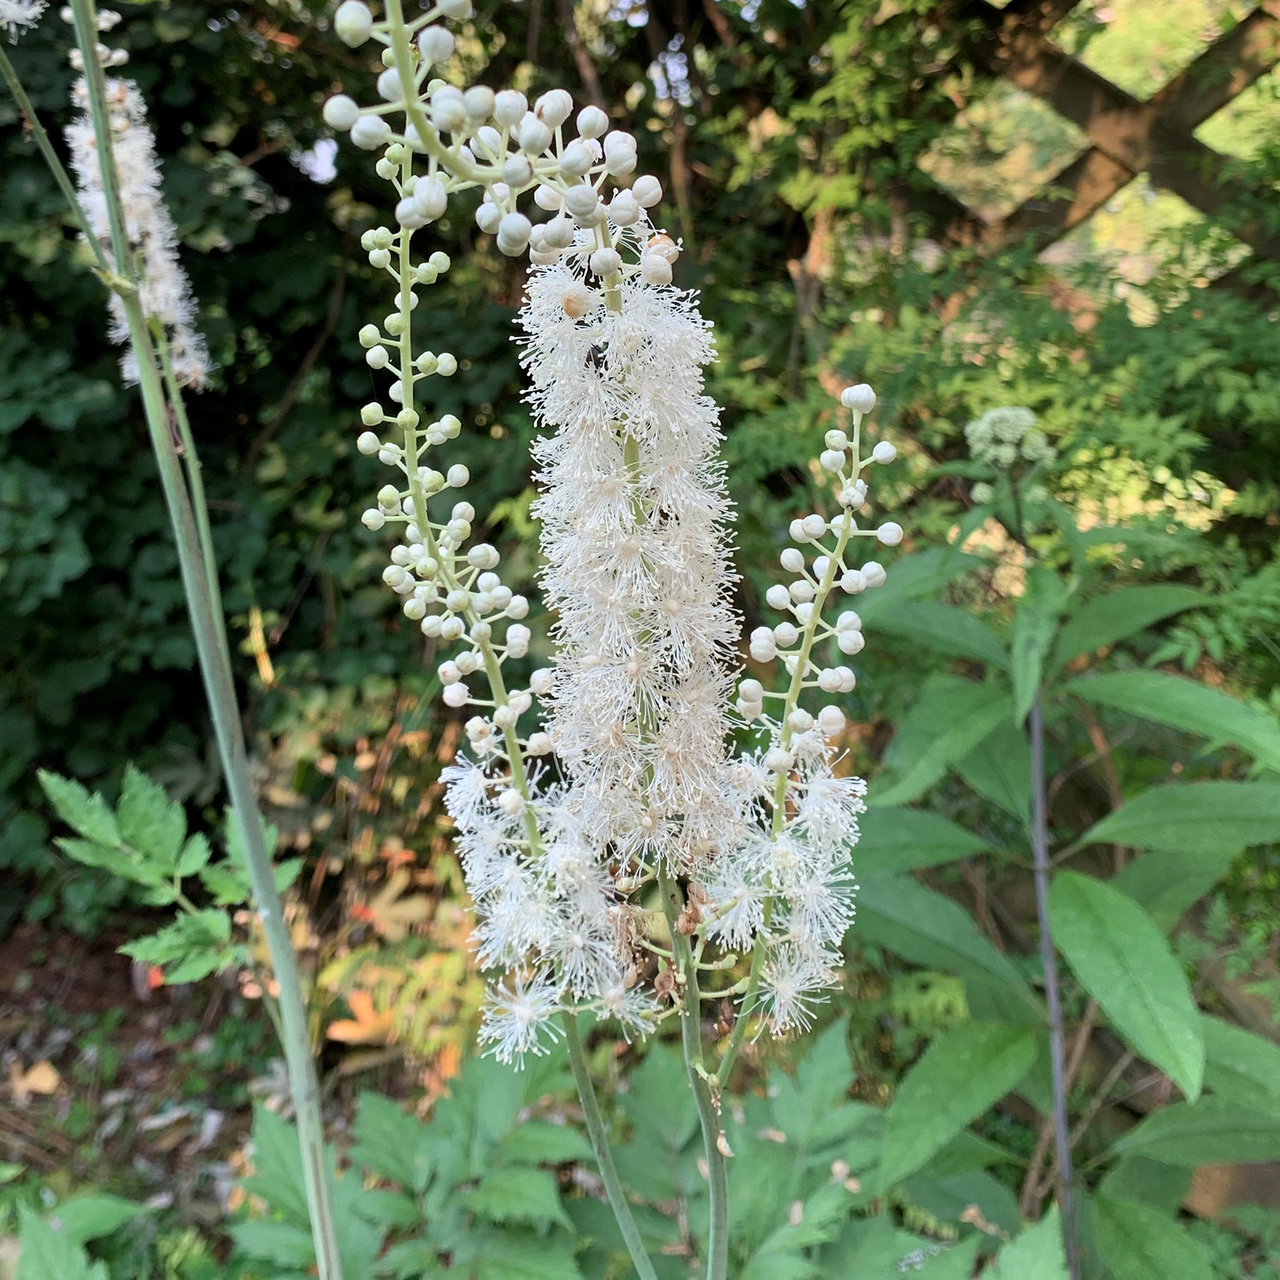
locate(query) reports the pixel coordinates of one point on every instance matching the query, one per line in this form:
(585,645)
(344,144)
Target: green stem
(604,1155)
(195,481)
(211,648)
(713,1142)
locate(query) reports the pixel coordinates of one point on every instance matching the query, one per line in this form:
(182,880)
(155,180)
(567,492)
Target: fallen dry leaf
(43,1077)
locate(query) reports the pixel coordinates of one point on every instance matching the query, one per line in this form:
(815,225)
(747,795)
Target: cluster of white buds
(786,891)
(164,290)
(633,511)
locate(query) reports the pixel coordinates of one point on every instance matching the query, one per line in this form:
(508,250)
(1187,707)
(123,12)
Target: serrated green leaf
(150,822)
(951,717)
(47,1254)
(943,629)
(1187,705)
(228,883)
(895,840)
(517,1194)
(541,1142)
(1037,1254)
(519,1255)
(1199,816)
(1123,961)
(389,1141)
(1166,884)
(192,947)
(277,1165)
(119,861)
(88,815)
(902,916)
(1141,1243)
(659,1103)
(962,1073)
(949,1197)
(412,1260)
(91,1216)
(388,1209)
(1106,619)
(281,1243)
(1210,1131)
(1240,1065)
(195,855)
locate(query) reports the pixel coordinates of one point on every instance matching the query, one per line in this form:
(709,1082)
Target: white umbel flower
(165,291)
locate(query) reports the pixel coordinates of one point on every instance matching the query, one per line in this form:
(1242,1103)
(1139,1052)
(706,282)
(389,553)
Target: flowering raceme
(165,292)
(626,787)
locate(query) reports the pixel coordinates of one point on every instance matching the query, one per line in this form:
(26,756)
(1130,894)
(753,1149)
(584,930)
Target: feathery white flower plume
(165,292)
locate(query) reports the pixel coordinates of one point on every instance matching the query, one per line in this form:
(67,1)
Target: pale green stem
(604,1154)
(792,701)
(219,685)
(195,481)
(713,1141)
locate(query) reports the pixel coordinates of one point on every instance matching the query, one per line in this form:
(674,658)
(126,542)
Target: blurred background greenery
(817,160)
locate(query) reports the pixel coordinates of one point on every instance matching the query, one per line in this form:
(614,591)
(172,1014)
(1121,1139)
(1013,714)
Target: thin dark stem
(1040,850)
(604,1155)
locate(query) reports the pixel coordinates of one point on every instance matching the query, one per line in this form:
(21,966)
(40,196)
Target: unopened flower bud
(435,44)
(884,452)
(860,398)
(340,112)
(647,191)
(353,22)
(592,122)
(889,533)
(370,132)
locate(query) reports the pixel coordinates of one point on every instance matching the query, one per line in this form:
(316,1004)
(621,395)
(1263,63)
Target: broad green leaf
(412,1260)
(1167,883)
(1240,1065)
(541,1142)
(1034,626)
(517,1194)
(1037,1254)
(1162,1186)
(150,822)
(388,1209)
(88,815)
(999,769)
(1141,1243)
(902,916)
(48,1254)
(948,1198)
(951,717)
(659,1103)
(944,629)
(1123,961)
(89,1217)
(1187,705)
(1106,619)
(961,1074)
(281,1243)
(923,573)
(896,839)
(965,1153)
(1198,816)
(1210,1131)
